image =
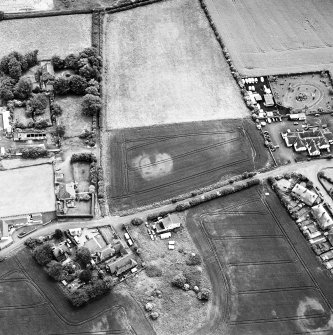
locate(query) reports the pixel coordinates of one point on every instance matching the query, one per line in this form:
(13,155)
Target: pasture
(27,190)
(270,37)
(56,35)
(306,91)
(150,164)
(164,65)
(270,279)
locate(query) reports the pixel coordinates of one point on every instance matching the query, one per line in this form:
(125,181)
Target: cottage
(322,217)
(305,195)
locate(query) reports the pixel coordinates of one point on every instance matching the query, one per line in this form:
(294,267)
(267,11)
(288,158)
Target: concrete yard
(27,190)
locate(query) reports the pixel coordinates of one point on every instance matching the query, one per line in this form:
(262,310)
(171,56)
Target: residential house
(322,217)
(304,194)
(167,224)
(126,267)
(268,100)
(4,232)
(313,150)
(327,255)
(59,253)
(299,145)
(297,116)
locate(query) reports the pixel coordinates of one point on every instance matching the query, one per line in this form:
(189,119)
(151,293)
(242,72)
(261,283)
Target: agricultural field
(27,190)
(259,262)
(164,65)
(274,37)
(150,164)
(313,92)
(19,6)
(69,34)
(32,302)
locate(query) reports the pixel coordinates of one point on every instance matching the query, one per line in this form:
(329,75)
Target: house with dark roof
(304,194)
(299,145)
(322,217)
(313,150)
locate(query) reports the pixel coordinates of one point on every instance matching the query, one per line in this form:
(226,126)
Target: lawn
(164,65)
(270,37)
(72,117)
(151,164)
(19,116)
(81,175)
(55,35)
(27,190)
(272,280)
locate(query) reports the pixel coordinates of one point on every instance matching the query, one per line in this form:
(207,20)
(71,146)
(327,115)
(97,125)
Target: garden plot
(273,284)
(164,65)
(270,37)
(72,117)
(27,190)
(145,165)
(57,35)
(81,175)
(310,92)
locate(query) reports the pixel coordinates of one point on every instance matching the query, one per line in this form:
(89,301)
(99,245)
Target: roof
(310,133)
(313,149)
(290,140)
(328,135)
(126,267)
(304,194)
(3,229)
(107,253)
(268,99)
(322,216)
(298,144)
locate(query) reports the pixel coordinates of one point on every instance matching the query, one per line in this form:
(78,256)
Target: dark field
(32,304)
(150,164)
(268,277)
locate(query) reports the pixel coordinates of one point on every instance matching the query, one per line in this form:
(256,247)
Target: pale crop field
(27,190)
(57,35)
(164,65)
(12,6)
(271,37)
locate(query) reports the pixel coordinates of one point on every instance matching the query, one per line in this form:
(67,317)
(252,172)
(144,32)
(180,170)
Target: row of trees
(34,152)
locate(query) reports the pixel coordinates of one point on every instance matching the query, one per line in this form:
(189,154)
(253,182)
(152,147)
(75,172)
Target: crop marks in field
(154,164)
(273,281)
(269,37)
(164,65)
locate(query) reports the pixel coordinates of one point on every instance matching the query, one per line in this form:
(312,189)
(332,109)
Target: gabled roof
(322,217)
(304,194)
(298,144)
(312,148)
(328,135)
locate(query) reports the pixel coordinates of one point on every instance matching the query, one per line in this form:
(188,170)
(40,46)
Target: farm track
(182,179)
(188,153)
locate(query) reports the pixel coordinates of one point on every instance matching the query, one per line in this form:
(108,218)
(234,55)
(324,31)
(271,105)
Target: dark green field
(265,276)
(150,164)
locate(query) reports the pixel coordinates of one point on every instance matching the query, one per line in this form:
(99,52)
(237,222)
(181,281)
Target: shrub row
(34,152)
(87,157)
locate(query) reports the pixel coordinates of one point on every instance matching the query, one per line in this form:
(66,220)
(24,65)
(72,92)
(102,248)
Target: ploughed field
(32,304)
(273,282)
(270,37)
(164,65)
(150,164)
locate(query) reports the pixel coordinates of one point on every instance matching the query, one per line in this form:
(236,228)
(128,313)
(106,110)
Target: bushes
(58,234)
(87,157)
(23,89)
(193,277)
(91,105)
(179,281)
(83,255)
(34,152)
(193,259)
(136,221)
(85,276)
(41,124)
(38,103)
(204,294)
(43,253)
(57,63)
(55,270)
(153,271)
(78,84)
(61,86)
(32,243)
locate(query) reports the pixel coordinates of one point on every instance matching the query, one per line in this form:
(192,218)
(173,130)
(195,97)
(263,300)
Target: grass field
(27,190)
(164,65)
(57,35)
(273,37)
(272,279)
(145,165)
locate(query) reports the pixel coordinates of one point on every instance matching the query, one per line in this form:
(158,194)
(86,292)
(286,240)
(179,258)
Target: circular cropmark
(302,96)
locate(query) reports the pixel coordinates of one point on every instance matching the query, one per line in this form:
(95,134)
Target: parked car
(22,234)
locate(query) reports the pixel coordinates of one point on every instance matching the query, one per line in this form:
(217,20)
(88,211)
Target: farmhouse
(305,195)
(167,224)
(322,217)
